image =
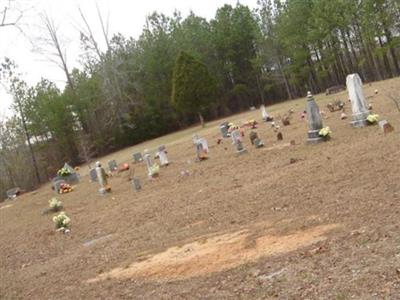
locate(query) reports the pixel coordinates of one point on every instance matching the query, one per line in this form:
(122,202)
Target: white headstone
(264,113)
(235,135)
(204,143)
(163,158)
(101,176)
(359,104)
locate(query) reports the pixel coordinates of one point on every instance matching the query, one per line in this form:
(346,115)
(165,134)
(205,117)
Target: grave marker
(237,141)
(359,104)
(255,140)
(152,168)
(136,184)
(224,128)
(13,193)
(112,165)
(93,175)
(162,155)
(137,157)
(314,120)
(386,126)
(201,148)
(102,179)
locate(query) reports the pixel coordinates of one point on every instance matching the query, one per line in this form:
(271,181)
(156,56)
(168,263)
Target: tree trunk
(392,51)
(287,87)
(385,59)
(201,120)
(28,138)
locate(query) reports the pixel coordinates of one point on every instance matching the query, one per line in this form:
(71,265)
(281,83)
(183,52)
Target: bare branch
(104,29)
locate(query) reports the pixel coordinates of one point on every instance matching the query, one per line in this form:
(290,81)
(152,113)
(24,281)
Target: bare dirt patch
(240,219)
(216,254)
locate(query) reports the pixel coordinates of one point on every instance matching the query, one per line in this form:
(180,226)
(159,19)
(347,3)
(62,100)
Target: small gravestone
(265,116)
(258,143)
(137,157)
(286,120)
(224,128)
(71,178)
(237,142)
(253,135)
(279,136)
(102,179)
(136,184)
(152,168)
(255,140)
(314,120)
(385,126)
(13,193)
(162,155)
(359,104)
(112,165)
(204,143)
(201,148)
(93,175)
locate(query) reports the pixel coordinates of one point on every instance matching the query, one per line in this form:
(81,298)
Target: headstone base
(136,184)
(104,190)
(314,137)
(360,120)
(359,123)
(240,152)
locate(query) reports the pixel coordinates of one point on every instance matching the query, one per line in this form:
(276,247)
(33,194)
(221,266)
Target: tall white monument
(359,104)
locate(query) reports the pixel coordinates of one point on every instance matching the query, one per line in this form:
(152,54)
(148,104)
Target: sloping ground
(248,227)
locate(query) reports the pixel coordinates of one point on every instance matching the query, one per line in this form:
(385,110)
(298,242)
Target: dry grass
(351,181)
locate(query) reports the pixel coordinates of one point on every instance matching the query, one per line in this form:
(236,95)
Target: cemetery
(260,209)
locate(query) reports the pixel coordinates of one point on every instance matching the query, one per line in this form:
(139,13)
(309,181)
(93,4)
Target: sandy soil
(283,222)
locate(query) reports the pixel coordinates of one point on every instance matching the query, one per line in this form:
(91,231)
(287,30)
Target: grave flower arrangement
(55,205)
(373,119)
(63,172)
(65,188)
(154,169)
(325,133)
(61,221)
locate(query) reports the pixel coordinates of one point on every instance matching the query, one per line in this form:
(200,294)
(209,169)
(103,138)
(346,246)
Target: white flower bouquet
(55,205)
(61,220)
(325,133)
(373,119)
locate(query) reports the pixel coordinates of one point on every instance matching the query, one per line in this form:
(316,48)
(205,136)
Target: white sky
(125,16)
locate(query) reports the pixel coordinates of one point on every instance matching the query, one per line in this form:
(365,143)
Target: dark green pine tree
(193,88)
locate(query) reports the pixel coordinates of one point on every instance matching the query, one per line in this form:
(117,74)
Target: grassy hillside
(250,227)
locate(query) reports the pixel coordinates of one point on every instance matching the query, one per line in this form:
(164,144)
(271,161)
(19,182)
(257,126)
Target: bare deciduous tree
(10,15)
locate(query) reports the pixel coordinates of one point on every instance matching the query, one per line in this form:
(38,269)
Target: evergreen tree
(193,88)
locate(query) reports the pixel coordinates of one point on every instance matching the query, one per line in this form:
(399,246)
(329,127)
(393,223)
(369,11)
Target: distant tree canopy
(193,88)
(122,94)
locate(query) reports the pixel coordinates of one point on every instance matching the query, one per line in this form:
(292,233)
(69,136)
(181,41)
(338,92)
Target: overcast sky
(125,16)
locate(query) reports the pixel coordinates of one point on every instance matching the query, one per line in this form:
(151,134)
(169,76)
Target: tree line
(181,68)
